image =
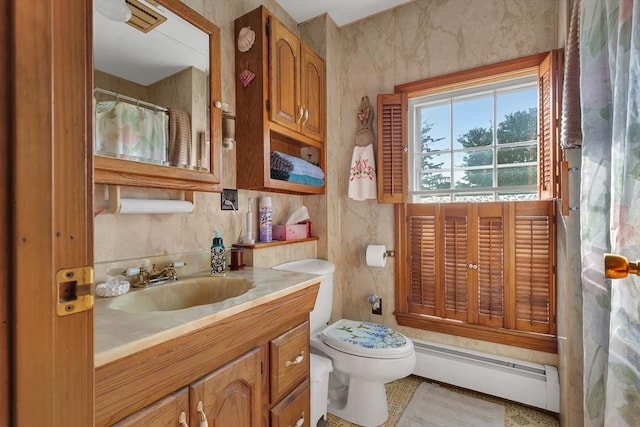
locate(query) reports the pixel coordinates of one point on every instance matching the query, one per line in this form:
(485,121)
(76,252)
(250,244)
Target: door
(51,220)
(231,395)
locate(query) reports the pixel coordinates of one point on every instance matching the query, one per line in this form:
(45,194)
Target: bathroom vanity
(241,361)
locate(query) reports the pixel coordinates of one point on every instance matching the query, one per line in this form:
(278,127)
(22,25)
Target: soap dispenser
(217,254)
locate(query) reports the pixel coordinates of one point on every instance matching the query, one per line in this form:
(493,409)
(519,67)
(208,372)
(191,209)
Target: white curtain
(610,208)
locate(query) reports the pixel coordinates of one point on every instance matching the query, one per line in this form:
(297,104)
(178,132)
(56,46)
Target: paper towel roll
(146,206)
(376,255)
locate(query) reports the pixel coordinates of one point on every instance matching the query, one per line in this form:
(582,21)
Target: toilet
(364,356)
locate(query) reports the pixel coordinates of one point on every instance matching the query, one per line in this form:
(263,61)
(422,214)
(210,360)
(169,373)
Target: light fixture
(228,126)
(115,10)
(228,130)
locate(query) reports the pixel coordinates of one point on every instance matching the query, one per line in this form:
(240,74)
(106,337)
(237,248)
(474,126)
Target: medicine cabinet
(163,62)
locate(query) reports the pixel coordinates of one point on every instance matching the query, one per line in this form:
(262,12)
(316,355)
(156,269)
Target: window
(470,159)
(475,144)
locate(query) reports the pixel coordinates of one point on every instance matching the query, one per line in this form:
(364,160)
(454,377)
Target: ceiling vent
(143,18)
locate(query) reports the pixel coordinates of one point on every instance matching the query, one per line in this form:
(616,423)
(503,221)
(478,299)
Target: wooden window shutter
(423,293)
(455,222)
(549,87)
(534,267)
(392,148)
(491,264)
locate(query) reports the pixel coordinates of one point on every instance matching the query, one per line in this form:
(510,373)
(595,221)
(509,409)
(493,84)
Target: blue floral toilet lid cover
(366,339)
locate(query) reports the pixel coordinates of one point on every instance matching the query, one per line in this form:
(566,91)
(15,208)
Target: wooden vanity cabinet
(251,370)
(282,108)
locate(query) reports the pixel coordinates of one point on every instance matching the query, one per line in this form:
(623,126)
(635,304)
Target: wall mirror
(156,80)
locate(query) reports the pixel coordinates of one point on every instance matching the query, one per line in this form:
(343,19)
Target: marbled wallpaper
(424,38)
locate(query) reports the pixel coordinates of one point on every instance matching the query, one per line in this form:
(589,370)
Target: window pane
(472,120)
(523,175)
(517,115)
(433,161)
(521,154)
(434,181)
(435,128)
(473,158)
(474,178)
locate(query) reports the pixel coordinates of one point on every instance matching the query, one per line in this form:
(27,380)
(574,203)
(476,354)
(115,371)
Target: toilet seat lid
(366,339)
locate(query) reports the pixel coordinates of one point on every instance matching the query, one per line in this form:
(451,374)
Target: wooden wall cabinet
(282,108)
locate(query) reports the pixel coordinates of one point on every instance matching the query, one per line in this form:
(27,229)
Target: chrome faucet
(153,276)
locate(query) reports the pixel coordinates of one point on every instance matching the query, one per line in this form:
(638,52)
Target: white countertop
(119,333)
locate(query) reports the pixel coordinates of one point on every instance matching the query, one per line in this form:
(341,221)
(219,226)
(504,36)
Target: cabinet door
(166,412)
(284,76)
(229,396)
(312,93)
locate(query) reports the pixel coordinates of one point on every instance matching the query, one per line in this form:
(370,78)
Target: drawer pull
(300,421)
(203,416)
(183,420)
(296,361)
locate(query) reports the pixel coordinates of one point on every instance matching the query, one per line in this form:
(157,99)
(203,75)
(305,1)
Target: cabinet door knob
(300,421)
(203,416)
(295,361)
(183,419)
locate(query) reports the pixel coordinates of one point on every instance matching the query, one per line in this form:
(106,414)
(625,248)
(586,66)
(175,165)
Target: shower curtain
(610,208)
(129,131)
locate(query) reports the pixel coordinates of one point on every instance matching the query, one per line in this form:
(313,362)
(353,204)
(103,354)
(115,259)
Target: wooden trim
(5,180)
(474,75)
(533,341)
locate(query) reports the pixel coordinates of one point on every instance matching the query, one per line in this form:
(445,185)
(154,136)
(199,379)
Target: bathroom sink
(182,294)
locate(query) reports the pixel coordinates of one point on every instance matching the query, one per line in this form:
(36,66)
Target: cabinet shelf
(260,245)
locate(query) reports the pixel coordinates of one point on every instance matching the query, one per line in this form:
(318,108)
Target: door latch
(73,287)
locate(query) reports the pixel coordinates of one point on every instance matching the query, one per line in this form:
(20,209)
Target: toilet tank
(319,317)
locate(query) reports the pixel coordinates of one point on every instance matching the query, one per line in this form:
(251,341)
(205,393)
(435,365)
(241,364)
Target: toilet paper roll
(376,255)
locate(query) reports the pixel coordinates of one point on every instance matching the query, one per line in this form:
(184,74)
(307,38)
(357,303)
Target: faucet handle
(131,271)
(177,264)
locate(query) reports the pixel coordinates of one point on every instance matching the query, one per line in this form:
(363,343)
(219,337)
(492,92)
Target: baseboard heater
(527,383)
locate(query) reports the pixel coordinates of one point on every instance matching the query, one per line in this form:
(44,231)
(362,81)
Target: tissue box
(290,232)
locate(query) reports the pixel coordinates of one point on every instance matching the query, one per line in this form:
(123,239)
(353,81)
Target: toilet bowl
(364,355)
